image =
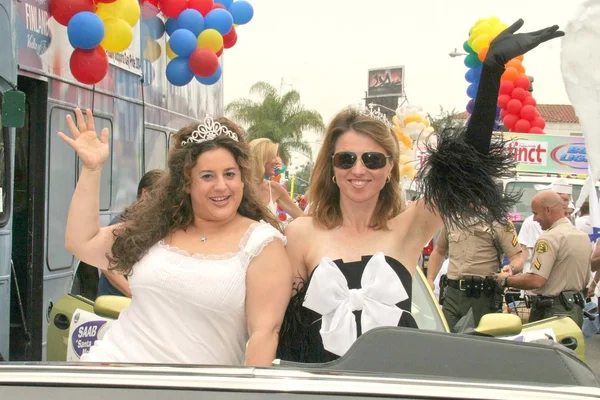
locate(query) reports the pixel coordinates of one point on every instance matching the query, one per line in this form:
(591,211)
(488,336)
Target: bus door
(28,227)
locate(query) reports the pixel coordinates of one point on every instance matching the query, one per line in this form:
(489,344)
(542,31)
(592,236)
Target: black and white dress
(340,301)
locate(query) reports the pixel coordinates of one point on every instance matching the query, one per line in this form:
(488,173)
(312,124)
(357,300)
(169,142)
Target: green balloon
(468,48)
(472,60)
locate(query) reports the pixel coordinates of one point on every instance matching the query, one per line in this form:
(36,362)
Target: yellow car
(425,309)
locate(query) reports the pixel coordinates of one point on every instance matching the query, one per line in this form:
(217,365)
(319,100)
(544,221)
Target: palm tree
(280,118)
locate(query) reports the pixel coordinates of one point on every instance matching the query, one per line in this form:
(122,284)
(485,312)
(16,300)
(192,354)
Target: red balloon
(282,217)
(63,10)
(538,122)
(506,87)
(537,130)
(503,113)
(522,82)
(89,66)
(522,126)
(529,101)
(172,8)
(204,62)
(510,120)
(220,52)
(203,6)
(528,113)
(219,5)
(503,100)
(519,94)
(514,106)
(230,39)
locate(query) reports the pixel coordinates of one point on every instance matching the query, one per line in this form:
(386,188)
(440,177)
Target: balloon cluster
(94,28)
(408,123)
(516,105)
(199,31)
(411,121)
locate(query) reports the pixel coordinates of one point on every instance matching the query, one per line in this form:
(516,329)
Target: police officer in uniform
(475,256)
(560,264)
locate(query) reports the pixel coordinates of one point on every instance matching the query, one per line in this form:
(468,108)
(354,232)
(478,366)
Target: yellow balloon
(118,35)
(408,170)
(210,39)
(103,13)
(412,118)
(406,141)
(152,51)
(494,21)
(129,10)
(169,52)
(395,120)
(484,27)
(482,42)
(403,160)
(427,123)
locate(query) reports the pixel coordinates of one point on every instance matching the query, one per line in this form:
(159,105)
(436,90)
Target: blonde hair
(262,151)
(324,195)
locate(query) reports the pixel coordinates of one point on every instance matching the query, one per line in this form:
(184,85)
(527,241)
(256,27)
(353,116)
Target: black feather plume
(462,184)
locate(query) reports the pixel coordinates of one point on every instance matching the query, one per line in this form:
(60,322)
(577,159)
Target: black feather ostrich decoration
(462,184)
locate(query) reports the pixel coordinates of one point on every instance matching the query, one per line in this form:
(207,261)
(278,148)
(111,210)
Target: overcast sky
(323,48)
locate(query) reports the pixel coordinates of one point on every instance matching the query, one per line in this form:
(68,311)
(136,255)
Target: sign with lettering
(33,32)
(548,154)
(85,329)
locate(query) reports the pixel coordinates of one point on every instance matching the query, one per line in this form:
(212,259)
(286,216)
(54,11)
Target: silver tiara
(209,130)
(373,111)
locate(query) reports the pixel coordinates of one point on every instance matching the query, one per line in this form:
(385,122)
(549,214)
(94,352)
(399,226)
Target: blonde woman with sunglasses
(354,257)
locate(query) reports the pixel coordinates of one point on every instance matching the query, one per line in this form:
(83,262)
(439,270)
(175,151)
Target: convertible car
(425,309)
(383,363)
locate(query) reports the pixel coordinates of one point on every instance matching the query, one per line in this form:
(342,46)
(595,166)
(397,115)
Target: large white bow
(328,294)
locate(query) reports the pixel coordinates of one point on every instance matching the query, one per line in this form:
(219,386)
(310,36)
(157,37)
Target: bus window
(61,184)
(155,149)
(106,178)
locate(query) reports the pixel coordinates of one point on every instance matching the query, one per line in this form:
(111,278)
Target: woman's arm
(458,179)
(285,202)
(83,236)
(268,291)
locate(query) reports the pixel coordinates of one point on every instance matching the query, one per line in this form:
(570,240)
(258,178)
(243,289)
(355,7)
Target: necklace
(203,239)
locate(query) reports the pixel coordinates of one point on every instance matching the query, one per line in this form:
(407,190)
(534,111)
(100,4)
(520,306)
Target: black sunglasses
(370,159)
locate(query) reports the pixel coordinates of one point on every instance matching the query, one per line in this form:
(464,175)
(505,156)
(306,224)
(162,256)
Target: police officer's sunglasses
(370,159)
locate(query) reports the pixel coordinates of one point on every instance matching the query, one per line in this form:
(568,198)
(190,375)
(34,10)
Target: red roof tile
(561,113)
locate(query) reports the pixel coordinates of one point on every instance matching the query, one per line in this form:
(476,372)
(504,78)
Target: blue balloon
(171,26)
(472,90)
(156,27)
(219,20)
(242,12)
(183,42)
(85,30)
(191,20)
(473,74)
(179,72)
(211,80)
(225,3)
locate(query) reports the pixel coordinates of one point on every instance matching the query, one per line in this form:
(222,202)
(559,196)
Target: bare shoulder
(300,227)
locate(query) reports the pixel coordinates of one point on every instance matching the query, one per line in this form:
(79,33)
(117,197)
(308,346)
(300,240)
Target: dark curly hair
(168,207)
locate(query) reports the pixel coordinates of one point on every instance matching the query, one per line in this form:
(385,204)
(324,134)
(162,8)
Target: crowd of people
(215,280)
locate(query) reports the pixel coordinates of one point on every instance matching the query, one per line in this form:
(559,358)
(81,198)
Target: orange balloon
(520,58)
(515,63)
(483,54)
(511,74)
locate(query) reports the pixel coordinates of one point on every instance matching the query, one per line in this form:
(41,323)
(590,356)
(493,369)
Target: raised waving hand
(92,151)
